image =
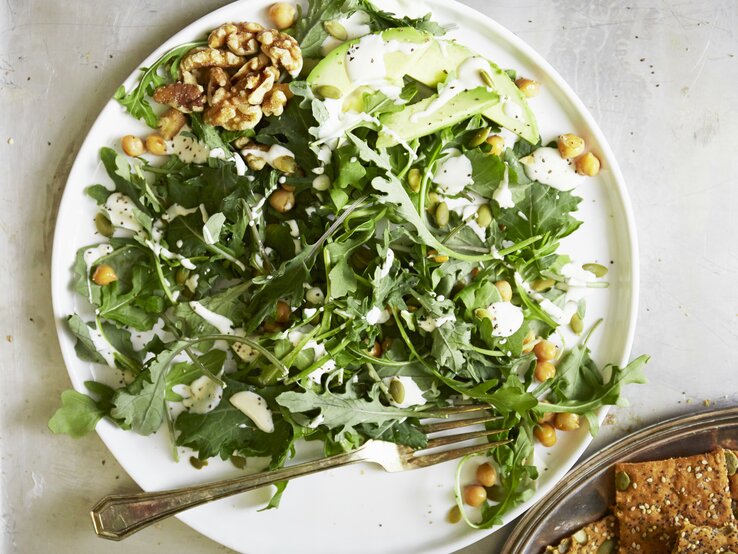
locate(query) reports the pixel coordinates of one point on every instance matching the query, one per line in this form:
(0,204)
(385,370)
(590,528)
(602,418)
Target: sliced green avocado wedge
(513,112)
(412,123)
(331,79)
(430,63)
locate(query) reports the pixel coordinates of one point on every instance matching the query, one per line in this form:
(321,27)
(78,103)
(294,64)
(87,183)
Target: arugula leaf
(381,20)
(77,416)
(136,101)
(342,411)
(226,430)
(309,30)
(141,404)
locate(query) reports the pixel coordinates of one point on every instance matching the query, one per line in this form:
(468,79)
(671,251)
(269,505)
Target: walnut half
(184,97)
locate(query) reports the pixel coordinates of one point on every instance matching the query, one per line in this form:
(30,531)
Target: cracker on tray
(598,537)
(707,540)
(654,500)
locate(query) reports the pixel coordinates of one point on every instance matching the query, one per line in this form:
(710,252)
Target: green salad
(335,227)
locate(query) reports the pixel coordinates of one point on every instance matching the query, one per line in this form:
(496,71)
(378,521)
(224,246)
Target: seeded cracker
(657,498)
(596,538)
(732,460)
(707,540)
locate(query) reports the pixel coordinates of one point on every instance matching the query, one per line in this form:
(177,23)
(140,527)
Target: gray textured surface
(660,76)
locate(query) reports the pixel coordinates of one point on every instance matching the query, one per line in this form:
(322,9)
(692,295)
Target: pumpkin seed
(285,164)
(454,515)
(397,391)
(335,29)
(564,546)
(622,480)
(328,91)
(238,461)
(479,137)
(732,462)
(484,216)
(181,276)
(197,463)
(576,324)
(103,225)
(487,78)
(413,179)
(542,285)
(607,547)
(442,214)
(599,270)
(432,200)
(581,536)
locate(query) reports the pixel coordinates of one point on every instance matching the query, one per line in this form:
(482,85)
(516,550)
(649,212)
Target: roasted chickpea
(497,143)
(282,200)
(387,343)
(570,146)
(104,275)
(132,146)
(282,14)
(156,145)
(505,290)
(546,434)
(487,474)
(283,312)
(544,370)
(529,87)
(566,422)
(588,164)
(475,495)
(545,350)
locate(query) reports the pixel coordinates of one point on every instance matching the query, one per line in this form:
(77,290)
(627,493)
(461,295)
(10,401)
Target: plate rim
(60,286)
(684,424)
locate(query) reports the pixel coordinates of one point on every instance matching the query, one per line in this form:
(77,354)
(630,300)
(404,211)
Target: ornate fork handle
(117,516)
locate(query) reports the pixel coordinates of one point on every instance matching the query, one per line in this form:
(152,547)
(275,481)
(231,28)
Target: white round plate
(362,508)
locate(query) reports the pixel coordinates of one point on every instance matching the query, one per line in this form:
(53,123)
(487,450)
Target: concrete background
(660,77)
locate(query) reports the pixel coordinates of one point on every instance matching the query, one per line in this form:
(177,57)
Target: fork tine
(432,459)
(464,409)
(456,423)
(461,437)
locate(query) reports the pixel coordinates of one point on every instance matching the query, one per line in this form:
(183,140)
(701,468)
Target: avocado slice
(331,76)
(513,112)
(430,63)
(410,123)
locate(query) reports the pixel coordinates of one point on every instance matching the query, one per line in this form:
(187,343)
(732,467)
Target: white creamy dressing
(503,194)
(384,270)
(103,347)
(468,77)
(187,149)
(201,396)
(506,318)
(576,276)
(220,154)
(546,166)
(430,324)
(220,322)
(511,109)
(294,229)
(356,25)
(413,393)
(338,123)
(255,408)
(139,339)
(377,316)
(275,151)
(120,212)
(191,282)
(154,244)
(175,210)
(365,63)
(454,173)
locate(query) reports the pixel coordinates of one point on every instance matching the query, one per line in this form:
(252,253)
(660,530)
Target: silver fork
(118,516)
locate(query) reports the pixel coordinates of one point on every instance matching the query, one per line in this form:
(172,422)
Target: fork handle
(118,516)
